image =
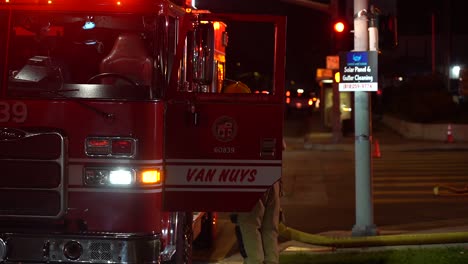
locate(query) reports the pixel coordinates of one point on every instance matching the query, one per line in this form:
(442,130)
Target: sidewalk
(324,142)
(388,139)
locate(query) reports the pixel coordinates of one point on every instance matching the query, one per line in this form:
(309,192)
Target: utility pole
(362,125)
(336,113)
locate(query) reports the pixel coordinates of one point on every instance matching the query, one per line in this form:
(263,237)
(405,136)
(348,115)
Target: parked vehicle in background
(298,100)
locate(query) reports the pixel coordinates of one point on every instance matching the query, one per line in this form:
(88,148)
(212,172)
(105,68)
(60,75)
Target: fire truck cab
(118,141)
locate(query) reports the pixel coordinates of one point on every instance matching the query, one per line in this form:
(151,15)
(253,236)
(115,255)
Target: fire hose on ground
(373,241)
(451,191)
(381,240)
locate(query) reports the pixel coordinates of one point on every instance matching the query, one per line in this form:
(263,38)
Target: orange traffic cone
(449,134)
(376,153)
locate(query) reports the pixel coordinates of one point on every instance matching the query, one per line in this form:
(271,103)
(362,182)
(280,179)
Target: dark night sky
(415,16)
(308,32)
(307,35)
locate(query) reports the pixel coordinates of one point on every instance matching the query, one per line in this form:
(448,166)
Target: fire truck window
(55,54)
(128,61)
(251,60)
(210,63)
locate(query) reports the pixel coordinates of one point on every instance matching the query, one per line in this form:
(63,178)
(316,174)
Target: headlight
(121,177)
(102,177)
(108,177)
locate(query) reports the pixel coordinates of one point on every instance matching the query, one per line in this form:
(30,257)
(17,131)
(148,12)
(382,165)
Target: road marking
(404,192)
(412,184)
(433,199)
(421,178)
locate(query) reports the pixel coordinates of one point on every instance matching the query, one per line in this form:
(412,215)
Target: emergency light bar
(89,25)
(28,2)
(116,3)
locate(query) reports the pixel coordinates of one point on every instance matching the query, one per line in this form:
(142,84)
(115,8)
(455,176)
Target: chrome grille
(97,248)
(32,175)
(100,251)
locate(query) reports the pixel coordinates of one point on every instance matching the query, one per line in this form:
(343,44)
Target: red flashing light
(110,146)
(98,142)
(339,27)
(122,146)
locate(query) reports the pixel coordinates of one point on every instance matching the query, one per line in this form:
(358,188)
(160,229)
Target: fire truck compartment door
(223,151)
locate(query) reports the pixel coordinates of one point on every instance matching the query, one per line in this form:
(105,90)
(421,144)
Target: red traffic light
(339,27)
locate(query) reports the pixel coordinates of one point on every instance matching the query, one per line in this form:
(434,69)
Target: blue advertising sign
(358,71)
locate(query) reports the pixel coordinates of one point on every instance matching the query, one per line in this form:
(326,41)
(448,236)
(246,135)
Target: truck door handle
(195,118)
(194,114)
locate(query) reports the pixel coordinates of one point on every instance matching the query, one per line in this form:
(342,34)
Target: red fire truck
(117,142)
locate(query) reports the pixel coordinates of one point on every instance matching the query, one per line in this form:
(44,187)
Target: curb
(293,144)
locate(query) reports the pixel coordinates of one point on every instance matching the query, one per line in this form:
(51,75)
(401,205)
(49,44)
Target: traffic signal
(339,26)
(341,35)
(388,31)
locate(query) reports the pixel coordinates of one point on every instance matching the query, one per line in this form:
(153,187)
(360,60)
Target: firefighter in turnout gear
(236,87)
(257,230)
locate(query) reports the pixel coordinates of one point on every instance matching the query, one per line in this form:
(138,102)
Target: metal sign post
(362,123)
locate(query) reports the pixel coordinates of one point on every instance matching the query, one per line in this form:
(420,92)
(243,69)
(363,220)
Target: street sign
(323,74)
(333,62)
(358,71)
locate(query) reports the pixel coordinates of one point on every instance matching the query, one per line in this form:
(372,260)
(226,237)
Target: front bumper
(80,248)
